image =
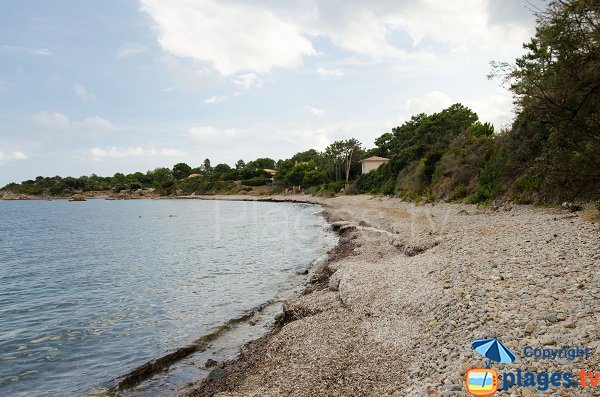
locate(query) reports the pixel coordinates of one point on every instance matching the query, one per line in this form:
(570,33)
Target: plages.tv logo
(484,381)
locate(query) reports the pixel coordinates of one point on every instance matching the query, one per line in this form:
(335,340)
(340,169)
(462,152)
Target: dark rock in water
(210,363)
(217,373)
(301,272)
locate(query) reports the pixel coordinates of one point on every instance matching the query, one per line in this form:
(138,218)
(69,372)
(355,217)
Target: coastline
(393,309)
(395,306)
(151,377)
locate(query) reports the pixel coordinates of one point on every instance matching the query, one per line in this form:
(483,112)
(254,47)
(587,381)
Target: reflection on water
(93,289)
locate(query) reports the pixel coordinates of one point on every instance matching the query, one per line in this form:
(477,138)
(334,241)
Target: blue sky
(106,86)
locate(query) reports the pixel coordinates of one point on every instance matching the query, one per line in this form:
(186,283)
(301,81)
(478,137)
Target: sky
(111,86)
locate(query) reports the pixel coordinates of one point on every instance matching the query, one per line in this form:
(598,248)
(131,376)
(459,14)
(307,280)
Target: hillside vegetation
(550,153)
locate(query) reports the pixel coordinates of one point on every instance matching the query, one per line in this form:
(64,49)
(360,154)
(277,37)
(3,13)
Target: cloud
(215,99)
(119,153)
(55,122)
(244,40)
(431,102)
(10,156)
(497,109)
(83,93)
(33,51)
(260,139)
(130,49)
(323,72)
(247,80)
(315,111)
(233,38)
(204,133)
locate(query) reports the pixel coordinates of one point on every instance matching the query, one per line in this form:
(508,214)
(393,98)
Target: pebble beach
(394,309)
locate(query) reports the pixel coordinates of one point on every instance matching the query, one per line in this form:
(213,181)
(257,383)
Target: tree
(261,163)
(181,171)
(557,87)
(479,129)
(348,148)
(335,157)
(240,164)
(206,166)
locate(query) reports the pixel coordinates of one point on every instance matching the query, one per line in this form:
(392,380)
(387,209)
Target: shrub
(256,182)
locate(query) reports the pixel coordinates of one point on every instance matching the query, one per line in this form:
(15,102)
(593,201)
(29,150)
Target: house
(372,163)
(193,176)
(270,171)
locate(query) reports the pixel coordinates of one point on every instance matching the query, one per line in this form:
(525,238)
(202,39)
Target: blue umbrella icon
(494,350)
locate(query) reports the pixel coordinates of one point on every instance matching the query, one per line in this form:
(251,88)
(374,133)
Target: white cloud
(315,111)
(244,40)
(84,94)
(247,80)
(496,109)
(431,102)
(232,37)
(29,50)
(464,25)
(215,99)
(10,156)
(97,123)
(59,123)
(118,153)
(204,133)
(129,49)
(323,72)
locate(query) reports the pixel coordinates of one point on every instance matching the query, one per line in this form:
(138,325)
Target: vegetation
(304,171)
(550,153)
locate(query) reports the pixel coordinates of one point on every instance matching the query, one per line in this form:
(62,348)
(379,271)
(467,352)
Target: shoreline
(266,316)
(394,308)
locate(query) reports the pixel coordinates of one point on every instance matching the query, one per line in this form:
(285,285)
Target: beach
(395,307)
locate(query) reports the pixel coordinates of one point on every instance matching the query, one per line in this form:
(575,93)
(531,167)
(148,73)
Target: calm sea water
(90,290)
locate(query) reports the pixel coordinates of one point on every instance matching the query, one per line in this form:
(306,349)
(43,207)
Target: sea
(91,290)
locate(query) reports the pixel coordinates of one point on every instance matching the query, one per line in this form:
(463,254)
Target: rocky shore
(394,310)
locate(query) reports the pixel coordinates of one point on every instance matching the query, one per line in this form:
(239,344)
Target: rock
(339,224)
(570,324)
(529,328)
(77,197)
(551,318)
(571,206)
(217,373)
(210,363)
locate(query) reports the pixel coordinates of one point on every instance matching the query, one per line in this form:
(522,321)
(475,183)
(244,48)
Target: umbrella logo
(493,350)
(482,382)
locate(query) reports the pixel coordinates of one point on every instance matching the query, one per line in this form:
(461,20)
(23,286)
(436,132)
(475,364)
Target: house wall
(368,166)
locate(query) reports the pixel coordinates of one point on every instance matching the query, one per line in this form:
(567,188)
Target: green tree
(181,171)
(349,147)
(206,167)
(557,86)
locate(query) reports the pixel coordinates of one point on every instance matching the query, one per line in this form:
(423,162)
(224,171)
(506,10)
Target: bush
(256,182)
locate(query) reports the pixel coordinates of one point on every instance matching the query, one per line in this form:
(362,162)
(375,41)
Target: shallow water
(90,290)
